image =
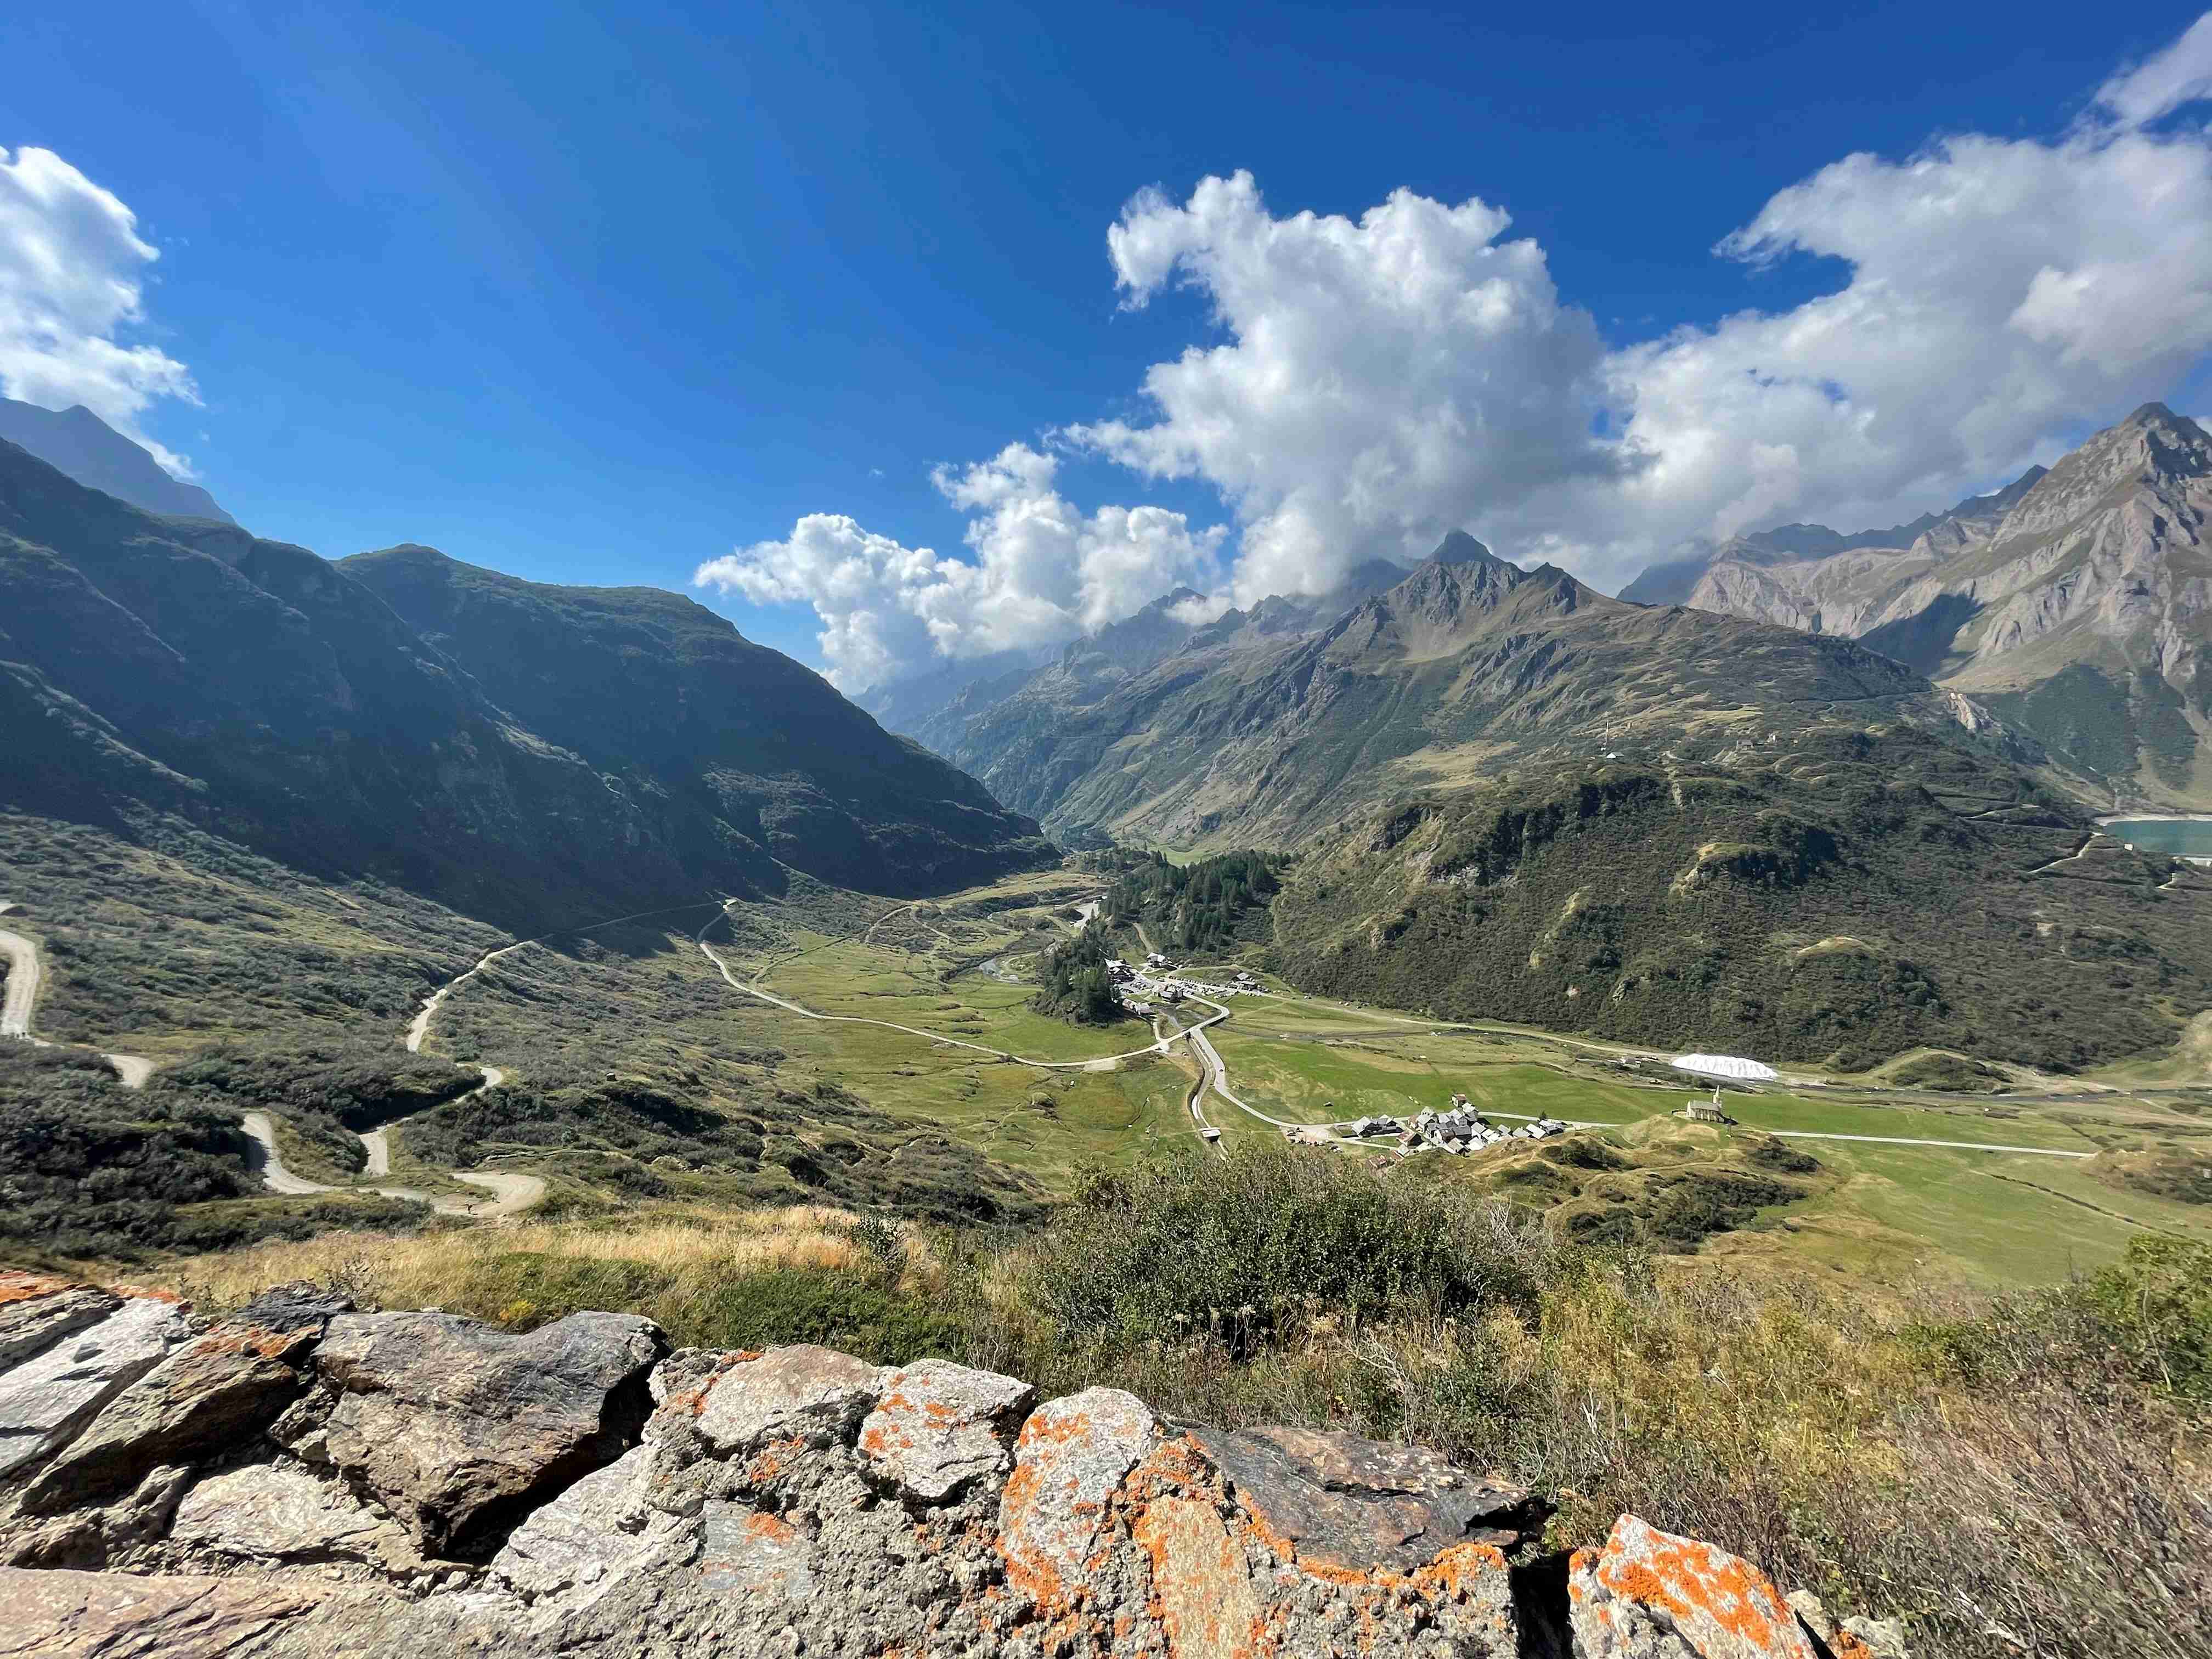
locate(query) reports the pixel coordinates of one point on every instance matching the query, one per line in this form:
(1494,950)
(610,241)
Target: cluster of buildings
(1156,978)
(1460,1128)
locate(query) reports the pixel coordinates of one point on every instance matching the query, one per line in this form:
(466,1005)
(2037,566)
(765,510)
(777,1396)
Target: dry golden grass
(667,1264)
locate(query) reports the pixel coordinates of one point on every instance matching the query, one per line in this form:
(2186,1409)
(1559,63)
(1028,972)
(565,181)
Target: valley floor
(857,1048)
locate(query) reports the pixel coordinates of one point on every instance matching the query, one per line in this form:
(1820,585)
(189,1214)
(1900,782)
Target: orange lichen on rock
(1720,1604)
(247,1339)
(1455,1571)
(768,1529)
(1205,1594)
(20,1284)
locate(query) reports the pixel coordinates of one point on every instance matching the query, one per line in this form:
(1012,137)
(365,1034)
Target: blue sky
(603,298)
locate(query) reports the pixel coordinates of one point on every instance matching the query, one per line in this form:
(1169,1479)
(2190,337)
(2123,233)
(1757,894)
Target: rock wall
(305,1479)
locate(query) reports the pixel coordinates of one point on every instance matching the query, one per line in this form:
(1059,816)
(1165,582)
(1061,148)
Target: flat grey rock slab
(454,1425)
(114,1616)
(938,1426)
(591,1535)
(46,1401)
(800,1392)
(37,1310)
(278,1512)
(1356,1504)
(212,1393)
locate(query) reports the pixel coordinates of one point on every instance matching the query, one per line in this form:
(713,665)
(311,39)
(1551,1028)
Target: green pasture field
(1890,1212)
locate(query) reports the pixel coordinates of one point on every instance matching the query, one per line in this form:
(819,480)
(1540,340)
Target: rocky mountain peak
(1169,600)
(2153,449)
(1460,548)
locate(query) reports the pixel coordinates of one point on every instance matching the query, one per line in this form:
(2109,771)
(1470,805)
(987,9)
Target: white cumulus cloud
(1042,572)
(72,267)
(1385,380)
(1366,384)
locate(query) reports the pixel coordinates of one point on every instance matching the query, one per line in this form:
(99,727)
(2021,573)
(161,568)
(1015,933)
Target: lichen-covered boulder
(456,1427)
(1054,1516)
(1650,1595)
(216,1391)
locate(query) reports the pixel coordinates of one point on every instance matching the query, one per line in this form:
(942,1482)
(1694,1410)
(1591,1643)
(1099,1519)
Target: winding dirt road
(511,1192)
(25,973)
(420,1027)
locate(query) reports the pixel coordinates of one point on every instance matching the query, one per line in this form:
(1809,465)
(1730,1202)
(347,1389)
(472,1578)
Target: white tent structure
(1725,1068)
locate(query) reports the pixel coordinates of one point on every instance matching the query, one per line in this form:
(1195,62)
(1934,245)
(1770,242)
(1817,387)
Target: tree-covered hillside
(1205,906)
(1841,901)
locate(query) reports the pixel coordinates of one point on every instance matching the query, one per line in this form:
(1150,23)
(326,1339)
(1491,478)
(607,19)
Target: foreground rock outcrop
(303,1478)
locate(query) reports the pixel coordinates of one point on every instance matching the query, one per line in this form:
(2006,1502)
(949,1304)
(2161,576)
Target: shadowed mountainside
(188,668)
(78,442)
(728,739)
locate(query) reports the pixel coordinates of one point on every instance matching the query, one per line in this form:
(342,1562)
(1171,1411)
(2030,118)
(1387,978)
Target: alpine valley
(598,1142)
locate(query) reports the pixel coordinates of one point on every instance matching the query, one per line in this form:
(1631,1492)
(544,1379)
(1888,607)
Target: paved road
(1218,1073)
(25,971)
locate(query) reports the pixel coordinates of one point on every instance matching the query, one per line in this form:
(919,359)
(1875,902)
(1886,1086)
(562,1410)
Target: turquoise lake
(2187,838)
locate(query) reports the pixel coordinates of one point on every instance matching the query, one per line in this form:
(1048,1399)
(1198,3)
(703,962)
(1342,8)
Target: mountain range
(76,441)
(2075,603)
(1513,795)
(1266,726)
(1517,797)
(518,751)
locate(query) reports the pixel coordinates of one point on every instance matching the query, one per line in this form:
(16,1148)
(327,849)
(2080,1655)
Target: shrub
(1196,1243)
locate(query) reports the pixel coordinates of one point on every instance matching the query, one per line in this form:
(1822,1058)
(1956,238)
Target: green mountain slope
(160,665)
(1840,897)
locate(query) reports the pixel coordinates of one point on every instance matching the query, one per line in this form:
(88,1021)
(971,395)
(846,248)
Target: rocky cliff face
(303,1479)
(2077,603)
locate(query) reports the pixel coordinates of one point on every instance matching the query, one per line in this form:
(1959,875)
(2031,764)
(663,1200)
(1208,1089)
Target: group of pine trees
(1077,986)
